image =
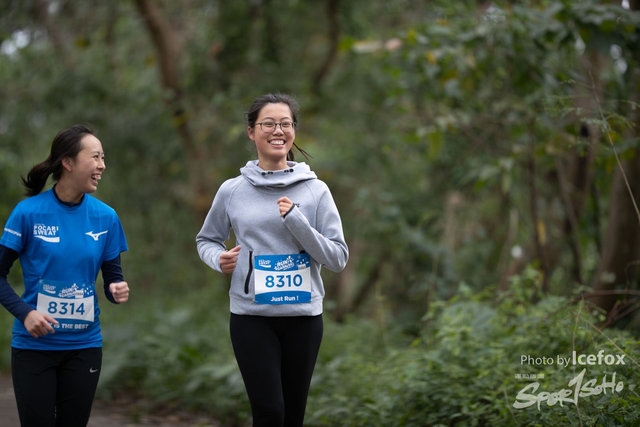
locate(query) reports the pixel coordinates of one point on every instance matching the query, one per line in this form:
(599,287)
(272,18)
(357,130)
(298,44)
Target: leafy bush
(467,368)
(475,353)
(175,353)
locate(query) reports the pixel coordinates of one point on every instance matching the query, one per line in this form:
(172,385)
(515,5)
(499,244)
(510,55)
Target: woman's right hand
(39,324)
(229,260)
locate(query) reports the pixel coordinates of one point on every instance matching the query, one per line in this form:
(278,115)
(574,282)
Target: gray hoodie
(247,204)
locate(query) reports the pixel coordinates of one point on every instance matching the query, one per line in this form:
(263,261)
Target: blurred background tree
(464,142)
(167,84)
(471,139)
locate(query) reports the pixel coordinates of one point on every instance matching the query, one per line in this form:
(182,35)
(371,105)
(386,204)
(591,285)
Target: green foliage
(423,127)
(174,353)
(472,357)
(466,368)
(477,95)
(423,102)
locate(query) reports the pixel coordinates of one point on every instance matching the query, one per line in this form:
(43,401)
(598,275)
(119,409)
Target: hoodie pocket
(246,281)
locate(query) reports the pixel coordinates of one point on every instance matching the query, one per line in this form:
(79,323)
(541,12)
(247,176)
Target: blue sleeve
(8,297)
(15,234)
(116,241)
(111,272)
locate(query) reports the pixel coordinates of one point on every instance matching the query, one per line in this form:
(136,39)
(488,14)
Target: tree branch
(334,40)
(168,48)
(164,41)
(538,238)
(572,221)
(41,13)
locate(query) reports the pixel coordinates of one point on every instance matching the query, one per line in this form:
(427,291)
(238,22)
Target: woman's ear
(251,133)
(66,163)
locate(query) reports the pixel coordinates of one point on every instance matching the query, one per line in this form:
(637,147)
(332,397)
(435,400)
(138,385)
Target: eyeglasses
(269,127)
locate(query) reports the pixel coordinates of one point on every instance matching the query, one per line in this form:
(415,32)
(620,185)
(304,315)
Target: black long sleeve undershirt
(9,299)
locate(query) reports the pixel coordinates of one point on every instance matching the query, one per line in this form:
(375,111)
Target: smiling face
(273,146)
(82,173)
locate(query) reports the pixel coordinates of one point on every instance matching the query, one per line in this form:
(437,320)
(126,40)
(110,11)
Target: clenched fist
(229,259)
(120,291)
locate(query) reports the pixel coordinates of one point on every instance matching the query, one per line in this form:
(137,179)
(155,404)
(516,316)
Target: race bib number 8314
(72,305)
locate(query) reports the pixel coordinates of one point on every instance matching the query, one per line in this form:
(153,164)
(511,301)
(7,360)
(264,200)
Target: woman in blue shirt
(62,237)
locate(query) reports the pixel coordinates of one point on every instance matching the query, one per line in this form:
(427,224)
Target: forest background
(484,157)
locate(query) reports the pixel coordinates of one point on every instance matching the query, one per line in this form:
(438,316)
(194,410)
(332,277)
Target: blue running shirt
(61,250)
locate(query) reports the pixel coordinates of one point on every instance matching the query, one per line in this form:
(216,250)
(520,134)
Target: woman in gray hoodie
(287,227)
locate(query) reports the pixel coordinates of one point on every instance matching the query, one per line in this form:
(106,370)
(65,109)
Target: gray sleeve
(214,232)
(325,243)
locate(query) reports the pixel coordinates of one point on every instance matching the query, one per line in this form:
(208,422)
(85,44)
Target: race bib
(70,304)
(282,279)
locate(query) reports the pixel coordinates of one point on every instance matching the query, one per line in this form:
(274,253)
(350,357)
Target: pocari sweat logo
(48,233)
(49,289)
(264,263)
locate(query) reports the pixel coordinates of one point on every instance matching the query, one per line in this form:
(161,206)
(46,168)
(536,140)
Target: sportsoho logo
(48,233)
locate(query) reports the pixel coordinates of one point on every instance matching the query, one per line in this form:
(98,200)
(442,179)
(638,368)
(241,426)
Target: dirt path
(102,415)
(7,403)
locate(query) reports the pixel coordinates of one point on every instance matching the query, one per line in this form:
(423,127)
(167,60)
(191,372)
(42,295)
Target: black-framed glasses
(269,127)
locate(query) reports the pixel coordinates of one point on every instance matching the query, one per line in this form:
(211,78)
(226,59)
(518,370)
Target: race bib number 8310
(282,279)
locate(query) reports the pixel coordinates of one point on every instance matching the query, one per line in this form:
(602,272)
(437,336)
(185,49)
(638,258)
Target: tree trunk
(576,176)
(168,47)
(539,227)
(341,287)
(621,246)
(41,14)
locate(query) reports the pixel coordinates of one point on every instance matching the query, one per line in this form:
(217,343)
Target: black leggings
(55,388)
(276,356)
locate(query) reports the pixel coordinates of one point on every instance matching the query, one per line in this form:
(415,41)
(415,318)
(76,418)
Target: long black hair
(66,144)
(276,98)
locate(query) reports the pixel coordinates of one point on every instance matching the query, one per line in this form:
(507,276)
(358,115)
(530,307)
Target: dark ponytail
(66,144)
(276,98)
(291,157)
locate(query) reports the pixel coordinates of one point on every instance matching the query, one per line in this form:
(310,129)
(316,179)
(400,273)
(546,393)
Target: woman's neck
(267,165)
(66,194)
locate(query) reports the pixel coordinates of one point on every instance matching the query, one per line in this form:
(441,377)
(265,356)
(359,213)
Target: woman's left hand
(284,205)
(120,291)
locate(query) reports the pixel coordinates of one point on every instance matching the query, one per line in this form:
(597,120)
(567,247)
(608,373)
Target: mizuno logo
(96,235)
(49,239)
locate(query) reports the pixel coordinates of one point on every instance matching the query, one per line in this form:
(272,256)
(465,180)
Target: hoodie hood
(296,172)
